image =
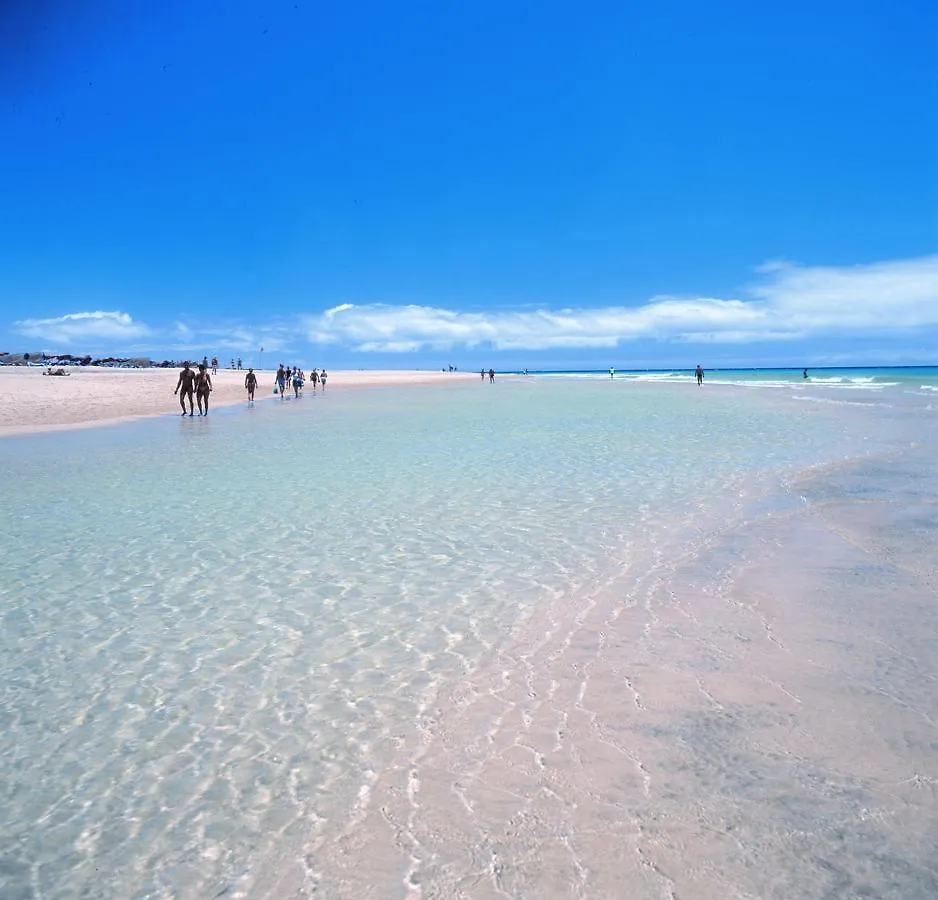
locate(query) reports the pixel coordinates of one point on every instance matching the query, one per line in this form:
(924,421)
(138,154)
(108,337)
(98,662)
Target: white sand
(32,402)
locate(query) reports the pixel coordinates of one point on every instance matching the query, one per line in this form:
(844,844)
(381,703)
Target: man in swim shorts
(281,380)
(250,383)
(186,384)
(203,387)
(698,373)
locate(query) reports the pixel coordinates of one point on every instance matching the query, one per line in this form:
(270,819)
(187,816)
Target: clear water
(868,378)
(230,646)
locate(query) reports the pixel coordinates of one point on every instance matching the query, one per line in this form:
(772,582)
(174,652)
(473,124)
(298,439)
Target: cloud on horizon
(788,302)
(785,302)
(82,327)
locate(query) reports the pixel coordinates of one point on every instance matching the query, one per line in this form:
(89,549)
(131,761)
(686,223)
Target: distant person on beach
(612,372)
(239,363)
(281,379)
(804,374)
(297,383)
(250,383)
(323,375)
(186,384)
(203,387)
(699,374)
(214,365)
(491,376)
(482,373)
(314,378)
(205,362)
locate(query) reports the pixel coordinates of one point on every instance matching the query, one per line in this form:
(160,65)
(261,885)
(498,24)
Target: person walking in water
(250,383)
(612,372)
(323,375)
(186,384)
(699,375)
(281,379)
(203,387)
(482,373)
(491,376)
(804,374)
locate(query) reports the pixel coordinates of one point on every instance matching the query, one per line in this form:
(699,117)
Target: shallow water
(522,639)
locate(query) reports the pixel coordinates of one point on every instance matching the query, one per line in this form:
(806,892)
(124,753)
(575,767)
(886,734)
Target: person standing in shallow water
(323,375)
(699,375)
(491,376)
(186,384)
(203,387)
(281,380)
(250,383)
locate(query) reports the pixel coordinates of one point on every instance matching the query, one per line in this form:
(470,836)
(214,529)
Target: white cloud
(901,294)
(82,327)
(788,302)
(785,302)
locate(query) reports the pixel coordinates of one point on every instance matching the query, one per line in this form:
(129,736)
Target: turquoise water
(226,642)
(874,378)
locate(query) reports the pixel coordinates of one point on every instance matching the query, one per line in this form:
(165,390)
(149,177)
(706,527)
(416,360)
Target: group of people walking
(195,385)
(296,378)
(214,364)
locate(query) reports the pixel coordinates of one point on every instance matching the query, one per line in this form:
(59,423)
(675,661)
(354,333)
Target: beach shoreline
(34,403)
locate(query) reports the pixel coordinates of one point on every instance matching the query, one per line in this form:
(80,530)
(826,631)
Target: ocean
(557,636)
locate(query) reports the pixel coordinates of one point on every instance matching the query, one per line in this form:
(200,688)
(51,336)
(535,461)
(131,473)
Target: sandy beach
(33,402)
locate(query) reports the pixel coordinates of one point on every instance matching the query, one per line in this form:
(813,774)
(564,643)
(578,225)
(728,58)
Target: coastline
(33,403)
(734,689)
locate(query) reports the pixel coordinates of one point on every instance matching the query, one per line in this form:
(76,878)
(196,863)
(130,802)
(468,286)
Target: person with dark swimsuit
(187,384)
(203,387)
(250,383)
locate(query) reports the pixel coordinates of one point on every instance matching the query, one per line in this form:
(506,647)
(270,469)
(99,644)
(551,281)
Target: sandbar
(32,402)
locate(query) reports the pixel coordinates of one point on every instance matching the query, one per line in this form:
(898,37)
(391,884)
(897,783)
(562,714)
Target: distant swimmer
(186,384)
(699,374)
(250,383)
(612,372)
(804,374)
(203,387)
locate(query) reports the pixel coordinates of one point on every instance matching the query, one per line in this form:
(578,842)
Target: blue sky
(412,185)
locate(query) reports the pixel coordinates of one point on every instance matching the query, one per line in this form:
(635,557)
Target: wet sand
(750,712)
(33,402)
